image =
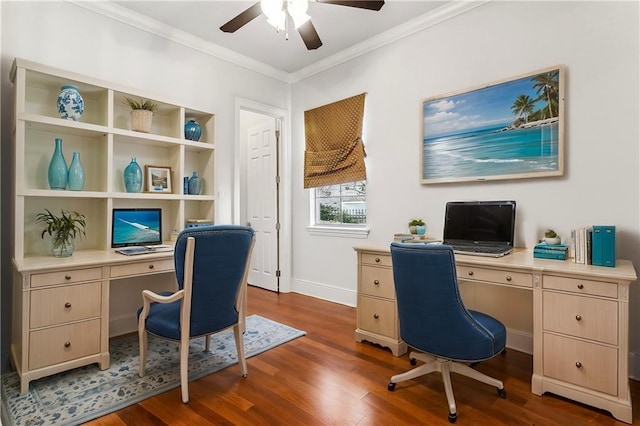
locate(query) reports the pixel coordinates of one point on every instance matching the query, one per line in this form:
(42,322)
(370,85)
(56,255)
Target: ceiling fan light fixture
(276,12)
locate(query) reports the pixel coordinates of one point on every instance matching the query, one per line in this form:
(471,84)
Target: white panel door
(261,203)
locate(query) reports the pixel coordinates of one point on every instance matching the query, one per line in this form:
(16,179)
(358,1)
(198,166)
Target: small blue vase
(192,130)
(133,177)
(76,173)
(194,184)
(58,172)
(70,103)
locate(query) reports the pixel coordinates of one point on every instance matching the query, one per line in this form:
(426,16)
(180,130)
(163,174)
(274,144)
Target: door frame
(239,179)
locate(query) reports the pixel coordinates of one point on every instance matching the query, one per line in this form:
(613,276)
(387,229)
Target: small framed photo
(158,178)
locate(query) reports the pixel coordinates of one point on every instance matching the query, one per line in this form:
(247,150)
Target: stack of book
(549,251)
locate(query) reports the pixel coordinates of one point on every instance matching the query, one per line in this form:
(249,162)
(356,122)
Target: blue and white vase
(58,172)
(194,184)
(70,103)
(76,173)
(192,130)
(133,177)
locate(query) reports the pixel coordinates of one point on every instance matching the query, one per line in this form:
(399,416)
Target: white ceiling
(344,31)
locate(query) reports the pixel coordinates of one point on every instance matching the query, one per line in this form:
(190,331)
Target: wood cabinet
(61,306)
(377,314)
(580,319)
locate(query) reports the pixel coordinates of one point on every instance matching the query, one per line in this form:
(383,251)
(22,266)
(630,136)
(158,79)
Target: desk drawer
(377,316)
(59,344)
(377,282)
(376,259)
(582,363)
(51,306)
(66,277)
(580,316)
(141,268)
(576,285)
(495,276)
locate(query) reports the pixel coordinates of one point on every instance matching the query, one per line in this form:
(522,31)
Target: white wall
(70,37)
(599,44)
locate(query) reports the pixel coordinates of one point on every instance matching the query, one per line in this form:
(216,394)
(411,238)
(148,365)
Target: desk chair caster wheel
(413,361)
(391,387)
(453,417)
(502,393)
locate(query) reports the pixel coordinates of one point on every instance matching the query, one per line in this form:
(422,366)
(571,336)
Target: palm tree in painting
(523,107)
(547,85)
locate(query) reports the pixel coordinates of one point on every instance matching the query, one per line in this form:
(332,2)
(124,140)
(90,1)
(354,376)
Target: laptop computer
(482,228)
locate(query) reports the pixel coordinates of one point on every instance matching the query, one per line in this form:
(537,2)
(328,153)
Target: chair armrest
(149,296)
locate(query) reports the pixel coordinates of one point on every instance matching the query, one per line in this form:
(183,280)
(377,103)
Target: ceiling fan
(279,11)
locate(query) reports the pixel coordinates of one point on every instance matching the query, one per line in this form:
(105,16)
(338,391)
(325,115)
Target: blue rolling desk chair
(434,320)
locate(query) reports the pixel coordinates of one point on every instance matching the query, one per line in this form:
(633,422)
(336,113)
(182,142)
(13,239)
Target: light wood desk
(580,319)
(61,308)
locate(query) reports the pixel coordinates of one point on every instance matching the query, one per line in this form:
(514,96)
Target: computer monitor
(136,227)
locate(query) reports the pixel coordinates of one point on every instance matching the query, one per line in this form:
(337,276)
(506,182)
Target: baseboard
(520,341)
(325,292)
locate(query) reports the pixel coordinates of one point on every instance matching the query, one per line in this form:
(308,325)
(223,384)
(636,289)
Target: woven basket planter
(141,120)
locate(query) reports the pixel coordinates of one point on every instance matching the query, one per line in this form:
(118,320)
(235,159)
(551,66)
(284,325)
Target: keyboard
(132,251)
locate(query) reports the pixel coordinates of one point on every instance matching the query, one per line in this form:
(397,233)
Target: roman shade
(334,152)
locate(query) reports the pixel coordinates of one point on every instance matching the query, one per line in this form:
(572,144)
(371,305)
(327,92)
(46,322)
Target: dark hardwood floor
(327,378)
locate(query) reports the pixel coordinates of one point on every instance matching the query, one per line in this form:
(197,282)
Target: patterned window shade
(334,151)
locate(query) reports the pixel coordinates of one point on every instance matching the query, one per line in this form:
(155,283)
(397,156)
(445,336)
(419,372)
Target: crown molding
(139,21)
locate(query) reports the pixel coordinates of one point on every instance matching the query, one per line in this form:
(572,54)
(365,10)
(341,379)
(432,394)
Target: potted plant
(551,238)
(64,229)
(141,113)
(417,226)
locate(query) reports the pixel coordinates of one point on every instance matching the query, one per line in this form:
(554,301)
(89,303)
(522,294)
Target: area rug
(84,393)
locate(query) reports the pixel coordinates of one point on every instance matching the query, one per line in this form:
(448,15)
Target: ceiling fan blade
(362,4)
(242,19)
(309,35)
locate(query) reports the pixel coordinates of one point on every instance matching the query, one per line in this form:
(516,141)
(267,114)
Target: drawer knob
(376,282)
(470,273)
(150,266)
(376,316)
(67,277)
(509,278)
(578,317)
(377,260)
(67,344)
(580,286)
(578,364)
(67,305)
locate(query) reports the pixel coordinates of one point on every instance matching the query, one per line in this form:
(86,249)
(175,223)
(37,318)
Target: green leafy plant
(141,104)
(63,228)
(550,233)
(416,222)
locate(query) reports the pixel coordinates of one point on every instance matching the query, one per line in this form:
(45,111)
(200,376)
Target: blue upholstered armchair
(434,320)
(211,266)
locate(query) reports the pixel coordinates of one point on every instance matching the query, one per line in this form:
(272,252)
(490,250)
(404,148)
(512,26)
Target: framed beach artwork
(158,178)
(510,129)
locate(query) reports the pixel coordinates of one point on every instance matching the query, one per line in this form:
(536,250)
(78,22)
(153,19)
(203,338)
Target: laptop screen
(476,222)
(136,227)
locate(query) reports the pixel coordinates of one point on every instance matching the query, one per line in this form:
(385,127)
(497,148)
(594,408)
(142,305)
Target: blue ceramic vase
(70,103)
(192,130)
(133,177)
(58,173)
(194,184)
(76,173)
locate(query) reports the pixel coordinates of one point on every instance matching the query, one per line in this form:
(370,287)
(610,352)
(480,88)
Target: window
(341,204)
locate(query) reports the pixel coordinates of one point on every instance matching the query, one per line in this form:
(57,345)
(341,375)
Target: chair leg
(430,365)
(240,348)
(465,370)
(446,367)
(142,339)
(184,370)
(207,342)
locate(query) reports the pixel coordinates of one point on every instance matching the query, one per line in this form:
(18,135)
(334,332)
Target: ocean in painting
(491,151)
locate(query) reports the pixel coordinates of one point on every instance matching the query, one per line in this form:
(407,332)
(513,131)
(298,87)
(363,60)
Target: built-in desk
(580,319)
(61,308)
